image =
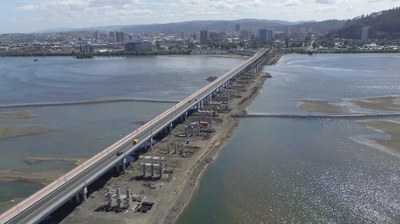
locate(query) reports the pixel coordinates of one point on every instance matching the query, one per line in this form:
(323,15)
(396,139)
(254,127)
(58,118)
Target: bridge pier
(77,198)
(123,164)
(84,196)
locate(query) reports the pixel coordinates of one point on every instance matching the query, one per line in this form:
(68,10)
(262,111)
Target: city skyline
(25,16)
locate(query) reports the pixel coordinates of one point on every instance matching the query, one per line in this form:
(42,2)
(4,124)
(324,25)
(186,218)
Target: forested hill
(383,25)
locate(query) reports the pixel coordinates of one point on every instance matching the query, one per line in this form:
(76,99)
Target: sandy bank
(389,127)
(37,159)
(15,115)
(18,131)
(349,106)
(389,103)
(322,106)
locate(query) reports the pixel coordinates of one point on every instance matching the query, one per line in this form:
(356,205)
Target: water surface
(287,170)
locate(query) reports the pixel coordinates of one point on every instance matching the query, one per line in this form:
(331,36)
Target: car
(119,153)
(135,141)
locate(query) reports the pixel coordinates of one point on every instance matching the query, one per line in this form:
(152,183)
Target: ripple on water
(357,195)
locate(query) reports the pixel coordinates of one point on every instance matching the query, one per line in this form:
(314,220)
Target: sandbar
(15,115)
(37,159)
(8,131)
(322,106)
(388,103)
(389,127)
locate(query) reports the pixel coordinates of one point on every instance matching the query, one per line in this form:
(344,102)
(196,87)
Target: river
(79,100)
(290,170)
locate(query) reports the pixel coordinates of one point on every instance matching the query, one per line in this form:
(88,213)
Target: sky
(24,16)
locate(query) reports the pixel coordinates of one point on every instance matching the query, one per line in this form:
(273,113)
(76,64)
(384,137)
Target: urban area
(302,38)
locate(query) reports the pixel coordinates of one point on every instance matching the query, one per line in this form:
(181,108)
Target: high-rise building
(365,33)
(237,27)
(120,37)
(203,37)
(111,37)
(86,48)
(265,35)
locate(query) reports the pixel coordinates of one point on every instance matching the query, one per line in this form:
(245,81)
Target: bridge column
(170,128)
(123,164)
(186,114)
(77,198)
(151,141)
(117,170)
(84,192)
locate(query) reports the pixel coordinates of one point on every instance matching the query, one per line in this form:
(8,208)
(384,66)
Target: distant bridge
(75,183)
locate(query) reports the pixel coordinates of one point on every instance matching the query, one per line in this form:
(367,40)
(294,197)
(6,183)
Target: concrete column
(123,164)
(119,200)
(186,115)
(77,198)
(186,131)
(152,170)
(151,143)
(118,170)
(109,196)
(128,198)
(160,170)
(84,192)
(170,128)
(143,169)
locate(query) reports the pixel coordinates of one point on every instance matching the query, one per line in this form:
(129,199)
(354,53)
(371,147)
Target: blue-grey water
(283,170)
(82,130)
(66,79)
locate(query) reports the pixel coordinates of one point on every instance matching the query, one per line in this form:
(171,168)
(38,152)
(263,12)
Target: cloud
(326,9)
(325,1)
(291,3)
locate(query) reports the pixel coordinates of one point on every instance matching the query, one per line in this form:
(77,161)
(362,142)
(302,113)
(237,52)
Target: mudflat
(322,106)
(9,131)
(389,127)
(389,103)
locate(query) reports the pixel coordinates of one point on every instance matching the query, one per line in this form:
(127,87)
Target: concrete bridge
(74,184)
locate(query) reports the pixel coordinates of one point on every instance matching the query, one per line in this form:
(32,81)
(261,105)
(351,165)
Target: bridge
(74,183)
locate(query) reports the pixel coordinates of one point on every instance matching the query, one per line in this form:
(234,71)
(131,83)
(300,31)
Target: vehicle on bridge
(135,141)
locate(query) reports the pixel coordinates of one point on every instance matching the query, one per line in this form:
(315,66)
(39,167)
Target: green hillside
(383,25)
